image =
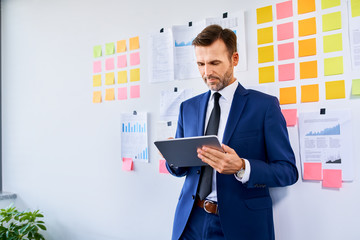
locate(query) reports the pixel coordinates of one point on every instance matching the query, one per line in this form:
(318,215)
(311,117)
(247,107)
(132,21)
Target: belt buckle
(204,205)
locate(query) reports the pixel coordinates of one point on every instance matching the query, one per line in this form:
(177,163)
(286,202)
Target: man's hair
(214,32)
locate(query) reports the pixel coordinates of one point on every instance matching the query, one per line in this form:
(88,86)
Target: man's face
(214,65)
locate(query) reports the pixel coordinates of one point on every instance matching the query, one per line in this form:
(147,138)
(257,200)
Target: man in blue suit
(256,151)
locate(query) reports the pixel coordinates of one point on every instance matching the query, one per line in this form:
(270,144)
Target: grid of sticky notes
(116,70)
(300,47)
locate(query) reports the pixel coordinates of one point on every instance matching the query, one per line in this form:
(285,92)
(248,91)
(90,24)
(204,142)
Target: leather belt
(208,206)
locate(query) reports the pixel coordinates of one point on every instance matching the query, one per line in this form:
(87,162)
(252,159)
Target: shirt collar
(227,92)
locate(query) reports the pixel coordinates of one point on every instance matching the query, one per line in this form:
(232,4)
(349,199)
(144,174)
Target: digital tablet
(182,152)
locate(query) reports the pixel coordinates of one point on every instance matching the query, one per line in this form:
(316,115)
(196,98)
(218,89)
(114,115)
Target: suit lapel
(202,113)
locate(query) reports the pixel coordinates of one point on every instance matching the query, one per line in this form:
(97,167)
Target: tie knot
(217,95)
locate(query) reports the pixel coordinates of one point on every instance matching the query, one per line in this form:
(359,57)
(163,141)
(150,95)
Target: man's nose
(208,70)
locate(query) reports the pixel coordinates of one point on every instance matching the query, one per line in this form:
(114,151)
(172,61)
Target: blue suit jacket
(257,131)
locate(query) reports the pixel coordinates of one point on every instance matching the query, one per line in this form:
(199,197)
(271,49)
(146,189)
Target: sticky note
(122,93)
(265,35)
(266,74)
(355,8)
(285,31)
(313,171)
(134,43)
(335,89)
(307,47)
(97,97)
(290,116)
(127,164)
(284,10)
(122,77)
(331,21)
(162,166)
(266,54)
(310,93)
(286,72)
(306,6)
(286,51)
(332,178)
(109,78)
(264,14)
(109,64)
(307,27)
(109,48)
(135,75)
(329,3)
(308,69)
(97,67)
(121,46)
(333,66)
(97,80)
(134,58)
(288,95)
(355,88)
(332,43)
(97,51)
(135,91)
(110,94)
(122,61)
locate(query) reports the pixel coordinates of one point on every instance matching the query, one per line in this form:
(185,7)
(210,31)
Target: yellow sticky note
(134,43)
(109,78)
(308,70)
(355,88)
(306,6)
(109,48)
(97,80)
(307,47)
(355,8)
(333,66)
(307,27)
(97,51)
(310,93)
(335,89)
(265,35)
(329,3)
(97,97)
(288,95)
(331,21)
(264,14)
(332,43)
(266,54)
(266,74)
(121,46)
(122,77)
(135,75)
(110,94)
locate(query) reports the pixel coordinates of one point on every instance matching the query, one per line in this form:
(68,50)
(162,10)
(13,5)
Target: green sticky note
(329,3)
(109,48)
(355,88)
(333,66)
(332,43)
(97,51)
(331,21)
(355,8)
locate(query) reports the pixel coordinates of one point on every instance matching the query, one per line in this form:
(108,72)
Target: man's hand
(227,162)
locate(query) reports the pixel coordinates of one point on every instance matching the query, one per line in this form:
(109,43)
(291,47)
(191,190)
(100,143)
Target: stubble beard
(223,80)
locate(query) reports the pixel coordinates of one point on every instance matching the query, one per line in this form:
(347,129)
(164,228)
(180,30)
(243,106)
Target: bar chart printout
(134,137)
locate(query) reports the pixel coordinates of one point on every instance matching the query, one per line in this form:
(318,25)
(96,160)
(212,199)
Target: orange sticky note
(265,35)
(110,94)
(134,43)
(266,74)
(286,72)
(97,97)
(310,93)
(335,89)
(290,116)
(121,46)
(312,171)
(264,14)
(266,54)
(288,95)
(306,6)
(286,51)
(127,164)
(307,27)
(308,70)
(332,178)
(162,166)
(307,47)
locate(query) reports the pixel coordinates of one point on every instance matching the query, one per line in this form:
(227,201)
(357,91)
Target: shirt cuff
(246,176)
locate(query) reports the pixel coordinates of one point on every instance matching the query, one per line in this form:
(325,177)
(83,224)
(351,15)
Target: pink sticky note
(97,67)
(286,72)
(284,10)
(312,171)
(109,64)
(290,116)
(285,31)
(122,62)
(122,93)
(135,59)
(162,166)
(127,164)
(332,178)
(286,51)
(135,91)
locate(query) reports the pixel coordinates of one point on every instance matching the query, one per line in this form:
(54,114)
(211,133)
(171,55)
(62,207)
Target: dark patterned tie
(205,182)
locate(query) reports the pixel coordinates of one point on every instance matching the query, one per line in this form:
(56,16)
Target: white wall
(61,152)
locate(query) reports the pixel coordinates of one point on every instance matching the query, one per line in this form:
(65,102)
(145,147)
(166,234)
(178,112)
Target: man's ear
(235,58)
